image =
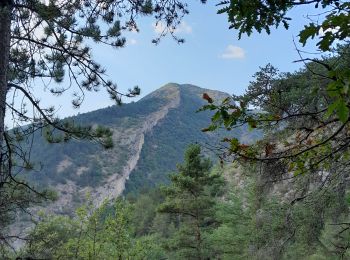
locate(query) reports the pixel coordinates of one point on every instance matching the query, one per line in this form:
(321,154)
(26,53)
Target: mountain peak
(171,90)
(168,91)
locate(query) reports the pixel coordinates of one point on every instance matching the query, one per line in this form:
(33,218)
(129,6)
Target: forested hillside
(162,123)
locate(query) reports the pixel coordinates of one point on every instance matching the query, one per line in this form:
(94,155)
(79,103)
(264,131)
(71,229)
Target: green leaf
(326,41)
(234,144)
(334,88)
(224,114)
(309,31)
(331,108)
(216,117)
(342,111)
(207,107)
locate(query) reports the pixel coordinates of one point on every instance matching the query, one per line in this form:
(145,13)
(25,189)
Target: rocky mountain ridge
(161,124)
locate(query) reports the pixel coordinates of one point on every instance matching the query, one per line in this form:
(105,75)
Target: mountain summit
(149,137)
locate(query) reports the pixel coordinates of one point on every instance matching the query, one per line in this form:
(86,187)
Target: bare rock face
(115,184)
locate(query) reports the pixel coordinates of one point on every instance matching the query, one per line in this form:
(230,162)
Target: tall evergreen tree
(192,198)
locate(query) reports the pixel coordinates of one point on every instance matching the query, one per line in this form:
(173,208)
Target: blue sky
(211,57)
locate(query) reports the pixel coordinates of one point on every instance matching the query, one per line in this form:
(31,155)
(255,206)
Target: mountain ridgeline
(149,136)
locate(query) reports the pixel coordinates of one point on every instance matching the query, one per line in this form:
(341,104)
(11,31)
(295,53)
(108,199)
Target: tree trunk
(5,36)
(198,238)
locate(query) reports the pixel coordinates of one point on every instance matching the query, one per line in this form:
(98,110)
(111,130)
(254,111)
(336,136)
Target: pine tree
(192,198)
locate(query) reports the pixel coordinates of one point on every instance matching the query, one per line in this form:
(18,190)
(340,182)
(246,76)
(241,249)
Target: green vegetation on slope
(87,164)
(180,128)
(199,217)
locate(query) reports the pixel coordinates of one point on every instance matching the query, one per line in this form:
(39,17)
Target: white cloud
(183,27)
(132,41)
(233,52)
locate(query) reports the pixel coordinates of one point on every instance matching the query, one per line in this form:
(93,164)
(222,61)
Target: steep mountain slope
(164,146)
(149,139)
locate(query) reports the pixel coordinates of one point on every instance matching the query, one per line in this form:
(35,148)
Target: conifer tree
(192,198)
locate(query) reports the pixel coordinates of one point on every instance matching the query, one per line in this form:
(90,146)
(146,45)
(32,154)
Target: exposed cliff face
(115,184)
